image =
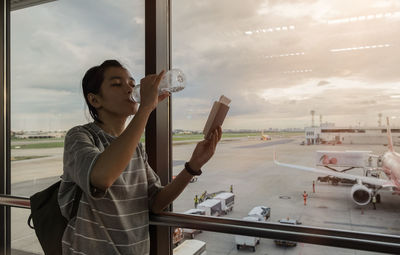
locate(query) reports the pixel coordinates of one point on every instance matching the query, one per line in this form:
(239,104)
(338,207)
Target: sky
(276,60)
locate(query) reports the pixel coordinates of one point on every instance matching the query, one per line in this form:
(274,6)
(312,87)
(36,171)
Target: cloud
(54,44)
(323,83)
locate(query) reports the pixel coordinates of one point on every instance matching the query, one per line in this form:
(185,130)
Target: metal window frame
(159,149)
(158,128)
(375,242)
(5,180)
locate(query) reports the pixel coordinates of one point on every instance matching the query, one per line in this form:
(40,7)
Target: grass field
(59,143)
(17,158)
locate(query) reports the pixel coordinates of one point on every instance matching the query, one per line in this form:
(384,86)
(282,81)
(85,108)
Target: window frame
(5,128)
(158,129)
(159,148)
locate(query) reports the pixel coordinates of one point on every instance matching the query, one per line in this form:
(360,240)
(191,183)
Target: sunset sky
(276,60)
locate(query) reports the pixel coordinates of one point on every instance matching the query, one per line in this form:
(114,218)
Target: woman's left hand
(205,149)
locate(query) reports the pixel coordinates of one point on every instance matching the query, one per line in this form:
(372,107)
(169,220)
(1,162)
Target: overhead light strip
(367,47)
(293,54)
(298,71)
(364,18)
(269,30)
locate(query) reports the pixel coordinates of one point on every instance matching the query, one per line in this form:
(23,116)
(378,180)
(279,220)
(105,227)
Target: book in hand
(217,115)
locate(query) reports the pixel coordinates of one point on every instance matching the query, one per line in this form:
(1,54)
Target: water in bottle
(173,81)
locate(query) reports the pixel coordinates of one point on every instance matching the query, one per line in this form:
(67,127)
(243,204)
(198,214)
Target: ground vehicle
(189,231)
(178,236)
(211,207)
(227,200)
(285,242)
(247,241)
(191,247)
(335,180)
(262,212)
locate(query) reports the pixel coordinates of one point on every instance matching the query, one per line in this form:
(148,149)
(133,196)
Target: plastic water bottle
(173,81)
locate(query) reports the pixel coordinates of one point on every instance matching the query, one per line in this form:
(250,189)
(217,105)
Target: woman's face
(114,96)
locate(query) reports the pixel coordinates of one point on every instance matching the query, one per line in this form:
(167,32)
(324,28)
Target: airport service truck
(247,241)
(261,212)
(227,200)
(191,232)
(191,247)
(212,207)
(342,161)
(287,243)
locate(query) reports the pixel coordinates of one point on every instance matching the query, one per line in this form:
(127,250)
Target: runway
(247,165)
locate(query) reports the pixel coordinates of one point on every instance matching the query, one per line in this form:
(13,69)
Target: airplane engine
(360,194)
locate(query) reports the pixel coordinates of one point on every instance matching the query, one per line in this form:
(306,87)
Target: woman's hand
(149,91)
(205,149)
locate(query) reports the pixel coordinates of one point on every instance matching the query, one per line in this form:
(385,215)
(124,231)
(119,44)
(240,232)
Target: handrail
(376,242)
(314,235)
(15,201)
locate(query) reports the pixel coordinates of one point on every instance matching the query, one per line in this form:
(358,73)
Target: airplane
(265,137)
(360,192)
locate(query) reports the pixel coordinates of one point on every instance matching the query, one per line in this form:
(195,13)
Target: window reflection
(52,44)
(319,80)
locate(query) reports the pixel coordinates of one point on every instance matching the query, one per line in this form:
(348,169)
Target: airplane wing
(364,179)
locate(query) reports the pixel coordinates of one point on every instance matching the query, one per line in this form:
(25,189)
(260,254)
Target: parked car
(287,243)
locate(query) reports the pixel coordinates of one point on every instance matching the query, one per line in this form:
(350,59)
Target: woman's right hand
(149,91)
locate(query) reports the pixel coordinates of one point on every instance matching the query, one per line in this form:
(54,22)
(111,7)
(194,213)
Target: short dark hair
(92,81)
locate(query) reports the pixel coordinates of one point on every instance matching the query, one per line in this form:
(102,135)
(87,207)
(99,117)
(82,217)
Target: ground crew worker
(305,195)
(313,186)
(203,196)
(374,202)
(231,189)
(196,201)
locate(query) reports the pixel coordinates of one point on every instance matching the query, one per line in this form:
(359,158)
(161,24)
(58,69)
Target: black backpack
(48,222)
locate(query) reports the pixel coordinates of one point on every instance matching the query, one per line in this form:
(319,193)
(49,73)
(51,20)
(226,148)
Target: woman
(108,163)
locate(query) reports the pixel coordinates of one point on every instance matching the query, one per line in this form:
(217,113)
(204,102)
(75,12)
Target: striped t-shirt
(112,222)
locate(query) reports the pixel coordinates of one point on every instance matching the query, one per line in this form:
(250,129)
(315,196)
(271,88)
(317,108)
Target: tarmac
(247,164)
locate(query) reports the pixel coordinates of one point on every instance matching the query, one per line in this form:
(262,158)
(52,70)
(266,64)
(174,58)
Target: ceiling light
(364,17)
(285,55)
(264,30)
(361,48)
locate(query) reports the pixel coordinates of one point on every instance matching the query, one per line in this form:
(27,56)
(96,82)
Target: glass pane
(52,46)
(312,82)
(218,243)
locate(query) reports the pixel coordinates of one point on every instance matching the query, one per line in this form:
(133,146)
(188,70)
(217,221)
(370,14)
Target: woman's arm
(202,153)
(114,159)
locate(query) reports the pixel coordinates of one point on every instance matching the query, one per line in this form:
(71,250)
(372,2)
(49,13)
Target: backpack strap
(77,199)
(30,224)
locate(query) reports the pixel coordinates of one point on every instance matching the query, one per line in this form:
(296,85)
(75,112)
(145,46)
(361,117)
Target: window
(52,46)
(287,66)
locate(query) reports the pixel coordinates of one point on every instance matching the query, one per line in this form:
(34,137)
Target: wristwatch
(191,171)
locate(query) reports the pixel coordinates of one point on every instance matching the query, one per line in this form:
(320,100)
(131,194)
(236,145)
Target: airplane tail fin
(389,135)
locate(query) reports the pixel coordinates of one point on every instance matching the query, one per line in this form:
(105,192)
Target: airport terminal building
(328,133)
